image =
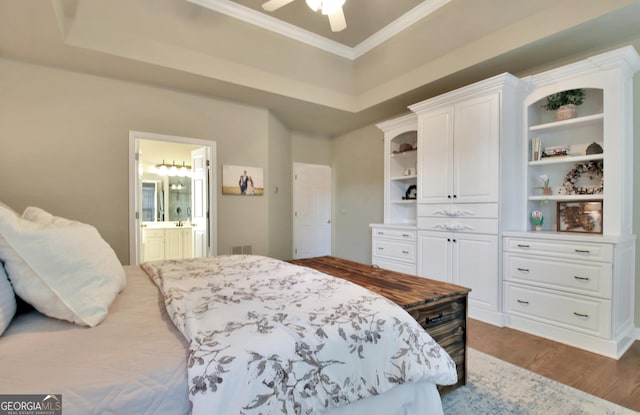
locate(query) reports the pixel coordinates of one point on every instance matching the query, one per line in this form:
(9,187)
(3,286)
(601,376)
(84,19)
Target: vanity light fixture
(165,169)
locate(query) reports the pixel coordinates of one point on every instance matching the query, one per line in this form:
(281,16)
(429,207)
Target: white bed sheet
(132,363)
(135,362)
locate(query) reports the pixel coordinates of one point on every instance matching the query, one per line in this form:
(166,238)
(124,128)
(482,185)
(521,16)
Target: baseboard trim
(637,333)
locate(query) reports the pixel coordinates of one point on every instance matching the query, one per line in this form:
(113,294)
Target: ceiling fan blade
(337,21)
(272,5)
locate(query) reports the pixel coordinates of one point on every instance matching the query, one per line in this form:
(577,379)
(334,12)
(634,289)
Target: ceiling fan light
(314,4)
(331,6)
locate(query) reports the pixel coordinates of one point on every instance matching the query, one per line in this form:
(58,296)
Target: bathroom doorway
(172,197)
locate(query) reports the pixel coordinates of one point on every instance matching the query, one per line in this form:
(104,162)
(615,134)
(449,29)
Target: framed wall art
(583,216)
(244,181)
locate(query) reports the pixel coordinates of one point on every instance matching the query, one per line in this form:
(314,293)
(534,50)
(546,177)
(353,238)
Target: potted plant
(564,103)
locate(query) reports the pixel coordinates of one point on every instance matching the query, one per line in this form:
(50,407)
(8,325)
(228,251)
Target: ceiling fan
(331,8)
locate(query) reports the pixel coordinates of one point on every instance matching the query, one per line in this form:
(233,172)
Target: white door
(311,210)
(199,170)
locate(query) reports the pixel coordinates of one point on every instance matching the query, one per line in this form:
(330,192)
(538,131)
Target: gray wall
(358,183)
(64,139)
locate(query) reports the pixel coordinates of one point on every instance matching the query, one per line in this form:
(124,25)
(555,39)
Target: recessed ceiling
(183,46)
(364,17)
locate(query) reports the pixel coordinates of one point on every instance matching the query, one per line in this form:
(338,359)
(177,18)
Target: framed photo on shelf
(584,216)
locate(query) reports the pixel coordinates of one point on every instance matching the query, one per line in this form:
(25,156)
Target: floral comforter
(269,337)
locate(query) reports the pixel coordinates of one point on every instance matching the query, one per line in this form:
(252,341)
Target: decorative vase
(547,191)
(566,112)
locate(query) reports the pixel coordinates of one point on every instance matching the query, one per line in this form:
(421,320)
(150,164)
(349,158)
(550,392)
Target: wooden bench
(439,307)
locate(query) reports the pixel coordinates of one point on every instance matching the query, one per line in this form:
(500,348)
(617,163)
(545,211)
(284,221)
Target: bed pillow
(7,300)
(61,267)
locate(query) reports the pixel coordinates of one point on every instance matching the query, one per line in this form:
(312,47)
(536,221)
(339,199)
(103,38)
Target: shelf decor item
(537,219)
(564,103)
(594,148)
(591,171)
(546,189)
(584,217)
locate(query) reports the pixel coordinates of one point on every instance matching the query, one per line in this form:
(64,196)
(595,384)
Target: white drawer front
(460,210)
(574,276)
(466,225)
(153,233)
(394,266)
(572,250)
(400,234)
(585,314)
(395,250)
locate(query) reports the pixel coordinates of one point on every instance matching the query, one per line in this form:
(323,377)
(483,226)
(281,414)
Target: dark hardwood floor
(617,381)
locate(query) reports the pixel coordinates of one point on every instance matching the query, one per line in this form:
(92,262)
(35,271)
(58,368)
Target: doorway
(172,197)
(311,210)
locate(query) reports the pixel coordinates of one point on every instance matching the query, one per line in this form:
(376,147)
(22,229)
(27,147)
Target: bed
(137,358)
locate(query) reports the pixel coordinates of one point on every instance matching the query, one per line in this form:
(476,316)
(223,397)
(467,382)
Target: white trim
(267,22)
(213,206)
(637,333)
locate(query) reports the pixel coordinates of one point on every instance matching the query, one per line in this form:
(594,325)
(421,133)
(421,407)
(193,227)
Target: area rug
(498,387)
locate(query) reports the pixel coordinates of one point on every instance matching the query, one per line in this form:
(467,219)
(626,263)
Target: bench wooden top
(403,289)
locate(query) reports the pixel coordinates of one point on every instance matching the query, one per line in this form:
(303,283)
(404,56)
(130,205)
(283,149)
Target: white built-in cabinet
(394,241)
(477,181)
(573,280)
(463,137)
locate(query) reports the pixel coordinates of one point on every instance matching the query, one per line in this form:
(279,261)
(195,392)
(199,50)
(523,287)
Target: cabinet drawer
(400,234)
(567,249)
(396,250)
(589,278)
(467,225)
(153,233)
(585,314)
(461,210)
(404,267)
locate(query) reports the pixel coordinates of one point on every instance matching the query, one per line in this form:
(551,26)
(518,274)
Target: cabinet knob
(448,196)
(455,196)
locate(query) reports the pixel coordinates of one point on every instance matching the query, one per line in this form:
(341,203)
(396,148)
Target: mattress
(134,362)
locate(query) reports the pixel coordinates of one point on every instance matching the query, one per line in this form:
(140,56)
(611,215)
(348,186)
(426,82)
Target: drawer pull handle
(582,251)
(405,252)
(523,302)
(523,269)
(523,246)
(405,235)
(581,315)
(380,248)
(581,278)
(380,233)
(434,319)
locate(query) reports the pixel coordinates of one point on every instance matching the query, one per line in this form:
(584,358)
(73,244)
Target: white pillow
(7,300)
(63,268)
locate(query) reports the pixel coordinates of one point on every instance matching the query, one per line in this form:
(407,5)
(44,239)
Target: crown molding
(272,24)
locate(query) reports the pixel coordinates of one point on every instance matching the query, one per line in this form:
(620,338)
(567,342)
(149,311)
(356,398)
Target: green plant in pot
(564,103)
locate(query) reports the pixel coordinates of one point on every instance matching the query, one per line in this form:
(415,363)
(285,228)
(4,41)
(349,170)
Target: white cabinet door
(152,245)
(475,266)
(435,153)
(187,242)
(465,259)
(459,152)
(434,258)
(476,149)
(173,243)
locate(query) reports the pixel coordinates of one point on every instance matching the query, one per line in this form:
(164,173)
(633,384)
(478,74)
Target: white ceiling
(181,45)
